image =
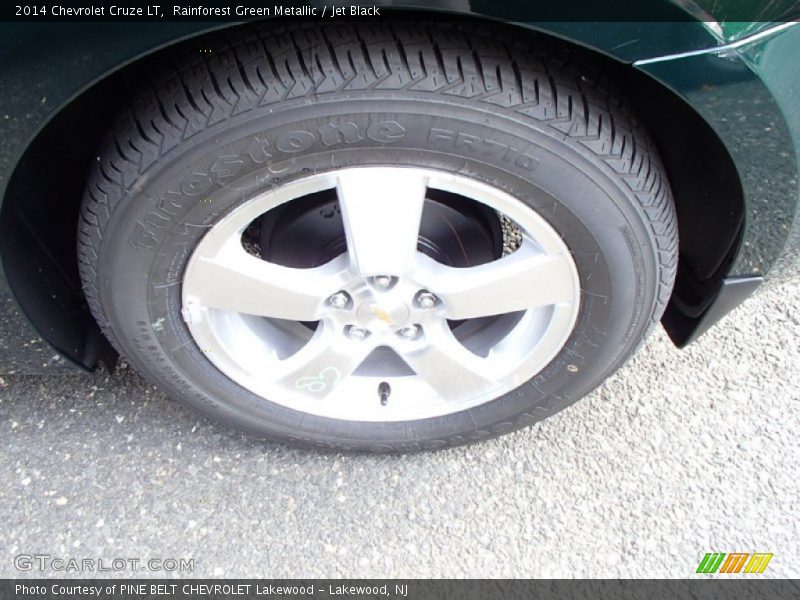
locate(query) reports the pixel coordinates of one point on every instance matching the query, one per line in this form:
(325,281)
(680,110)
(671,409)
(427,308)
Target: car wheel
(381,238)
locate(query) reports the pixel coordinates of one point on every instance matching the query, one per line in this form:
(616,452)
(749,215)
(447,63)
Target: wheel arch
(39,214)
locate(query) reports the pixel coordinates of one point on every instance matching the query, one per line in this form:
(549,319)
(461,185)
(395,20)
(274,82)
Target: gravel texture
(678,454)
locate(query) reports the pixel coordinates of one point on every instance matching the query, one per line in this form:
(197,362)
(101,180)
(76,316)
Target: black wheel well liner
(40,213)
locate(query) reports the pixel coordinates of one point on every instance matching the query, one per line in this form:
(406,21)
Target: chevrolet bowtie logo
(381,314)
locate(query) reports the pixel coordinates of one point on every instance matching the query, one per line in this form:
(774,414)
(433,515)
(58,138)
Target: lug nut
(426,300)
(357,333)
(339,300)
(382,281)
(409,332)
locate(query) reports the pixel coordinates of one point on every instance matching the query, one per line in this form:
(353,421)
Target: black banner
(265,589)
(513,10)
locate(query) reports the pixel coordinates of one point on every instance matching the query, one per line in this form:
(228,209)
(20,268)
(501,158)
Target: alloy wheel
(382,331)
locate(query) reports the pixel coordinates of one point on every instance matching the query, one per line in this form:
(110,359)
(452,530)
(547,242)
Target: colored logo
(735,562)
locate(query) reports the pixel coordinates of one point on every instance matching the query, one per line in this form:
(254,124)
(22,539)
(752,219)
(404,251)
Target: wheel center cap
(385,314)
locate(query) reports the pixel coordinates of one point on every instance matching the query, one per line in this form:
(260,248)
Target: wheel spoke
(381,209)
(231,279)
(522,280)
(324,362)
(447,366)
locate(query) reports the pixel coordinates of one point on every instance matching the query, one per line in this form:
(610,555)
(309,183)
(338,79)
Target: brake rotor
(309,232)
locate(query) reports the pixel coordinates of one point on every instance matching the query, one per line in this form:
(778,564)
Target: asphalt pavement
(678,454)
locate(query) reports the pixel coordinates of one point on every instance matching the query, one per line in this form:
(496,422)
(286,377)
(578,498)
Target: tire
(270,107)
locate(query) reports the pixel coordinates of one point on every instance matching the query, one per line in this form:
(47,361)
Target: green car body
(718,88)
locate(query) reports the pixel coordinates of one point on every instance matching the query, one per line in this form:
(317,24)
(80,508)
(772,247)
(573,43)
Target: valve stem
(384,389)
